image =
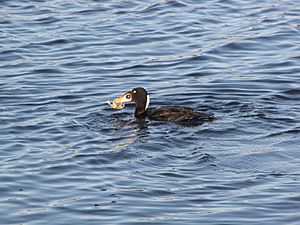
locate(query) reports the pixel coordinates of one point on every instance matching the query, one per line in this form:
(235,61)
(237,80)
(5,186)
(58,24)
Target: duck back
(177,114)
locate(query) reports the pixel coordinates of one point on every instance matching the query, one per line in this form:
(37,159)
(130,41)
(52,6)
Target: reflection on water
(137,132)
(67,158)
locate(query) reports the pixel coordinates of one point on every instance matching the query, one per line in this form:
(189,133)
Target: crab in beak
(119,103)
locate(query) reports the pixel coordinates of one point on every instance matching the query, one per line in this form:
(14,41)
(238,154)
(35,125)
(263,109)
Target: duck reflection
(130,131)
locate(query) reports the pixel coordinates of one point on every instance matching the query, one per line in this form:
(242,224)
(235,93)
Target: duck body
(175,114)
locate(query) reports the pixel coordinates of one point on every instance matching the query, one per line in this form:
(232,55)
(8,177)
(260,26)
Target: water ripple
(66,157)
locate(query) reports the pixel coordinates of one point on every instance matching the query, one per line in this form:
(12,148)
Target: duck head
(139,96)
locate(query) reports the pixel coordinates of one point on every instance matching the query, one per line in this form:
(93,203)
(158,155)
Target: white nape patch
(147,102)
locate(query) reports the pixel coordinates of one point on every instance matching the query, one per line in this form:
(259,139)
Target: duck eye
(128,96)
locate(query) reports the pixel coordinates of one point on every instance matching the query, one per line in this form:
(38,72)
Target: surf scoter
(176,114)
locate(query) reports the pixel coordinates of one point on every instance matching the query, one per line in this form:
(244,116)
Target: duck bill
(119,103)
(122,99)
(119,100)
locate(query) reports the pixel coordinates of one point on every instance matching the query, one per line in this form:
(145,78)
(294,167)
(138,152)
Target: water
(67,158)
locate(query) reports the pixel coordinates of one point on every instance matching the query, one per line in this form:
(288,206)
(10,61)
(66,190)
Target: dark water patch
(46,71)
(10,55)
(57,42)
(47,20)
(94,10)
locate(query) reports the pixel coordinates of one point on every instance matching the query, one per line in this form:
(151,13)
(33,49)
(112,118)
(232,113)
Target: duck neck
(140,111)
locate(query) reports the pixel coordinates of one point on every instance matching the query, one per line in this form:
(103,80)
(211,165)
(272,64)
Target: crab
(115,105)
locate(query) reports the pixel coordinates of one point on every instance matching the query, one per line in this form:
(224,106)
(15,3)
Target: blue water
(67,158)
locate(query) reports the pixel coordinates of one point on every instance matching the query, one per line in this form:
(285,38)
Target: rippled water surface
(67,158)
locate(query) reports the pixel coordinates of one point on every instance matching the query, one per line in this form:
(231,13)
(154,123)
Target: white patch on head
(134,91)
(147,102)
